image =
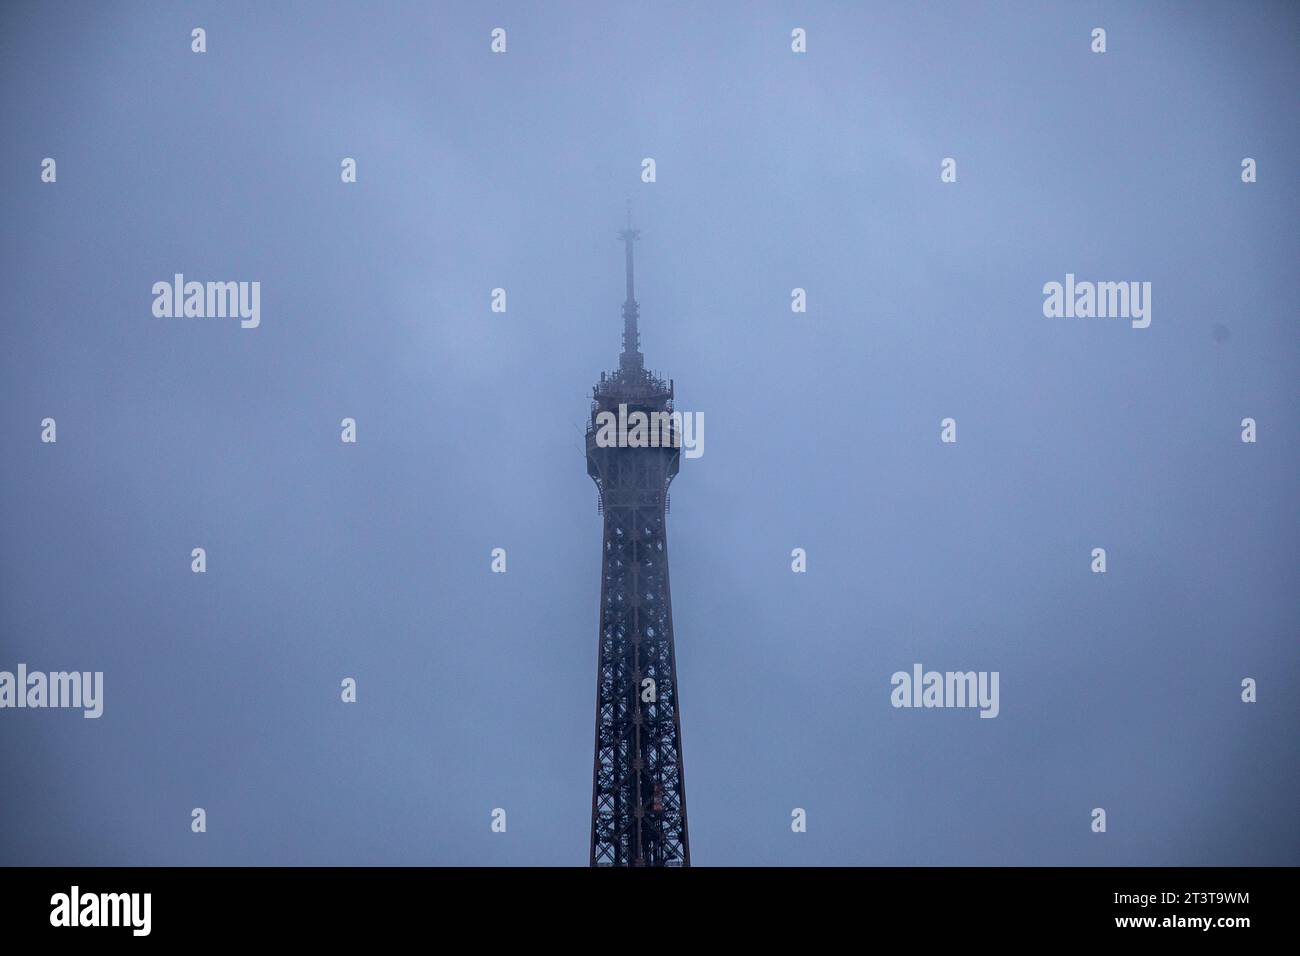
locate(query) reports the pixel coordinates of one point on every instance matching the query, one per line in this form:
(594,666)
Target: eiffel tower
(638,794)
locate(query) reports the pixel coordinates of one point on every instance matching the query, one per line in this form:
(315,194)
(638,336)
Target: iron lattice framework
(638,799)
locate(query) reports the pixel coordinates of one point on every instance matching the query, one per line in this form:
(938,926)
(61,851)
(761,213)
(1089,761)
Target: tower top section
(631,362)
(632,382)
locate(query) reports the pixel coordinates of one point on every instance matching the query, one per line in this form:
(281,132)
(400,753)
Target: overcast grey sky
(774,171)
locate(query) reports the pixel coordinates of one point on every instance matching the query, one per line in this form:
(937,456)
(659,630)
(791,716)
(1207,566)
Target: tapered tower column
(638,802)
